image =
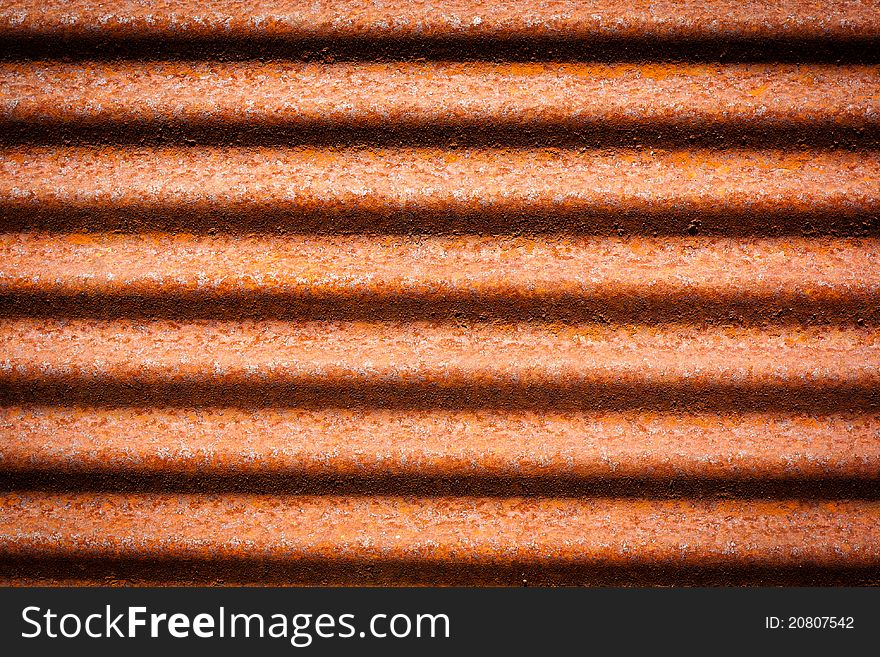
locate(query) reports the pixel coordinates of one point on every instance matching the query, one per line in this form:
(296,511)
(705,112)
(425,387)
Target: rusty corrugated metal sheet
(492,293)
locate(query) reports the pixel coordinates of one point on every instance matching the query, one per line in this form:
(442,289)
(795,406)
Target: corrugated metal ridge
(323,527)
(384,293)
(227,18)
(404,190)
(395,180)
(414,353)
(551,278)
(542,103)
(262,533)
(563,453)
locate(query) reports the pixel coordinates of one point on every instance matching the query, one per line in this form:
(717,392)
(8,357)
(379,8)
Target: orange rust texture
(419,19)
(423,353)
(387,181)
(570,96)
(434,268)
(431,443)
(684,532)
(419,365)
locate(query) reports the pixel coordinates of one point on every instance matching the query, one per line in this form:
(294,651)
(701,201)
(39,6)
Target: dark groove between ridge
(660,133)
(733,221)
(318,392)
(635,306)
(525,48)
(291,482)
(352,572)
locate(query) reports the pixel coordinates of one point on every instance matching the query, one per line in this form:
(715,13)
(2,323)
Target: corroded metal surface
(278,101)
(488,293)
(230,18)
(396,180)
(296,447)
(553,278)
(405,189)
(441,529)
(164,351)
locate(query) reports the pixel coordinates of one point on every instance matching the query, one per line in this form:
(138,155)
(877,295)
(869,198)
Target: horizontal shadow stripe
(637,133)
(519,218)
(372,483)
(323,393)
(525,48)
(636,306)
(156,569)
